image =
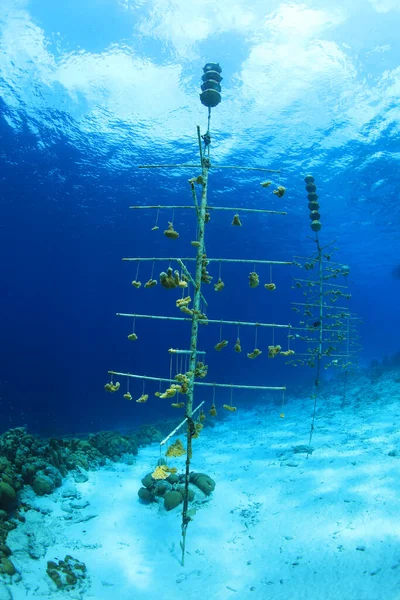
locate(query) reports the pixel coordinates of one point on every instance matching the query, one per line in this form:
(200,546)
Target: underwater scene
(200,322)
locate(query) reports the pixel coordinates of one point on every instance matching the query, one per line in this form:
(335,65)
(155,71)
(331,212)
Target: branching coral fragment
(133,337)
(112,387)
(150,283)
(199,180)
(169,392)
(205,276)
(186,310)
(229,407)
(143,398)
(236,221)
(254,279)
(219,286)
(170,232)
(160,472)
(136,284)
(256,352)
(183,301)
(270,286)
(184,383)
(200,370)
(238,347)
(221,345)
(168,280)
(128,396)
(273,351)
(197,429)
(176,449)
(280,190)
(287,352)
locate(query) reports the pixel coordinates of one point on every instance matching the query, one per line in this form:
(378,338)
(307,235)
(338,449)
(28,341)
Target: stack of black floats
(313,203)
(211,88)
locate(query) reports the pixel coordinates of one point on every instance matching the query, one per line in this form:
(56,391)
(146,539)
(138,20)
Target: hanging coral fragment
(150,283)
(170,232)
(254,279)
(273,351)
(280,190)
(256,352)
(236,221)
(112,387)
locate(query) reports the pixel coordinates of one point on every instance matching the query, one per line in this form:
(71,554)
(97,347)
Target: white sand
(276,527)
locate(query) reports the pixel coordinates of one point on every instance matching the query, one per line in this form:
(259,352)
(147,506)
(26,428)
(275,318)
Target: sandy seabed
(278,526)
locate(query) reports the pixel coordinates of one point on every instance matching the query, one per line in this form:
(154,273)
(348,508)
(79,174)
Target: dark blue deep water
(91,90)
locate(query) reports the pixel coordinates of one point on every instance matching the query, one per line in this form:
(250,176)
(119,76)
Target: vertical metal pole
(321,301)
(347,352)
(320,337)
(193,340)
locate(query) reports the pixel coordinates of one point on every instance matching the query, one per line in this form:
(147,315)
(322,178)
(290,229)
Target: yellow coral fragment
(270,286)
(111,387)
(158,394)
(171,470)
(219,286)
(287,352)
(184,381)
(143,398)
(195,243)
(182,284)
(170,232)
(202,415)
(160,472)
(169,280)
(199,180)
(198,427)
(236,221)
(213,411)
(176,449)
(150,283)
(128,396)
(280,190)
(265,184)
(169,393)
(200,370)
(186,310)
(256,352)
(228,407)
(136,284)
(254,280)
(221,345)
(238,347)
(133,337)
(177,404)
(183,301)
(273,351)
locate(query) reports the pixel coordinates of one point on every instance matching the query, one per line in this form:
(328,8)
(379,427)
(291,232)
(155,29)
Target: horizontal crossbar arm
(186,207)
(218,321)
(212,166)
(202,383)
(222,260)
